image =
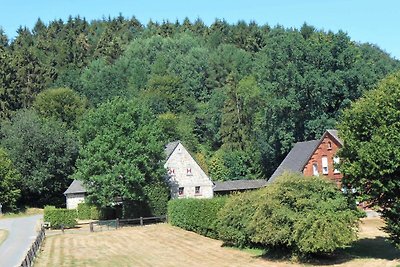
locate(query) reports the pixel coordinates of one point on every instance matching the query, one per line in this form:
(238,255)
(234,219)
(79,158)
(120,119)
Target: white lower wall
(74,199)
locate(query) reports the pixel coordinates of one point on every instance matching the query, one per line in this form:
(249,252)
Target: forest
(237,95)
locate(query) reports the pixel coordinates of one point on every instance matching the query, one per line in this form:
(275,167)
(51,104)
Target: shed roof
(239,185)
(296,159)
(75,187)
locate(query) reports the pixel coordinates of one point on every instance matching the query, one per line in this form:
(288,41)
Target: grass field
(164,245)
(3,235)
(25,212)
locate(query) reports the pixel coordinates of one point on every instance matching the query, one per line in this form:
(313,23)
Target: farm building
(185,178)
(75,194)
(315,157)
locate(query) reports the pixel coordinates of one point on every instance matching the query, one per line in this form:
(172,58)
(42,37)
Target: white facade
(74,199)
(186,178)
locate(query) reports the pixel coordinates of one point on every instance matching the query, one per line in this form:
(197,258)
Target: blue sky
(376,22)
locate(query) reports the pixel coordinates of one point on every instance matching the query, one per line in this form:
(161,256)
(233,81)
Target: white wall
(180,160)
(74,199)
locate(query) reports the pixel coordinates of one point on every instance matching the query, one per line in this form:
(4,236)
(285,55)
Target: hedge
(197,215)
(60,217)
(87,212)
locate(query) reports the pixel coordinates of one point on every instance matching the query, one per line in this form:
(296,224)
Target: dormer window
(189,171)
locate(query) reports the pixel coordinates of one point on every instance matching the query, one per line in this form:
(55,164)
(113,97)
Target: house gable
(185,176)
(322,160)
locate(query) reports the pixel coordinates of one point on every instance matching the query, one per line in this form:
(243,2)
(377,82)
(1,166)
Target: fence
(33,251)
(118,223)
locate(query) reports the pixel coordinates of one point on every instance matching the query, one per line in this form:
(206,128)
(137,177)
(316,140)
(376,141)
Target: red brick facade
(323,158)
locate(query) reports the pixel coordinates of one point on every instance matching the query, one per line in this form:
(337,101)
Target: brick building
(315,157)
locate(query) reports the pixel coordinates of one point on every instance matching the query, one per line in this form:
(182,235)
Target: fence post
(91,227)
(141,220)
(117,223)
(62,228)
(166,217)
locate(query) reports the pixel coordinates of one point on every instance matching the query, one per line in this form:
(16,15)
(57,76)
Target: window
(336,162)
(181,191)
(189,171)
(324,165)
(329,145)
(315,169)
(197,190)
(171,171)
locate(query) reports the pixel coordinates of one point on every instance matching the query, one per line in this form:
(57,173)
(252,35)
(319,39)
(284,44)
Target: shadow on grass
(377,248)
(365,248)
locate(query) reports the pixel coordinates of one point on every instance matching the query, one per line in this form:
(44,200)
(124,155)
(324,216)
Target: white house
(185,176)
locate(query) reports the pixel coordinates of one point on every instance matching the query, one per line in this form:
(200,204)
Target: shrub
(158,196)
(234,218)
(86,212)
(60,217)
(197,215)
(304,214)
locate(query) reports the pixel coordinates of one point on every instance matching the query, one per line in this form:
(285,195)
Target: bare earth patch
(165,245)
(3,235)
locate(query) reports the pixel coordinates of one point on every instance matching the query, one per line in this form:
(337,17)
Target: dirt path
(164,245)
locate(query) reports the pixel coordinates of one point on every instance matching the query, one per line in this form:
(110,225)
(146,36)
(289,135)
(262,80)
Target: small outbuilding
(228,187)
(75,194)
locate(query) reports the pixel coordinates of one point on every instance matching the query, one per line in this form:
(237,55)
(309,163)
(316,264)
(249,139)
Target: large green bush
(87,212)
(304,214)
(60,217)
(235,216)
(198,215)
(157,195)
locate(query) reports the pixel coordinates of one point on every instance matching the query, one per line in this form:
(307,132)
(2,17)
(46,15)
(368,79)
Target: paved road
(21,234)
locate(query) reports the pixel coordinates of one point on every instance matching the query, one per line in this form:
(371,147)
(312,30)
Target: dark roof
(170,147)
(75,187)
(296,159)
(239,185)
(334,134)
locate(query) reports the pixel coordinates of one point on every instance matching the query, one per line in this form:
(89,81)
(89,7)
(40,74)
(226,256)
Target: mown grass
(22,213)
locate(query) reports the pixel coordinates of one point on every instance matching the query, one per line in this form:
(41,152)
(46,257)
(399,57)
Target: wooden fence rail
(33,251)
(117,223)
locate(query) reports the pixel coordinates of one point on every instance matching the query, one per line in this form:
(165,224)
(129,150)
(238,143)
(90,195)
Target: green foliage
(157,197)
(235,217)
(59,218)
(61,104)
(370,131)
(121,152)
(43,152)
(197,215)
(248,90)
(304,214)
(87,212)
(9,183)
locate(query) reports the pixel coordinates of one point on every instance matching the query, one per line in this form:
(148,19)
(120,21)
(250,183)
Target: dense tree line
(238,95)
